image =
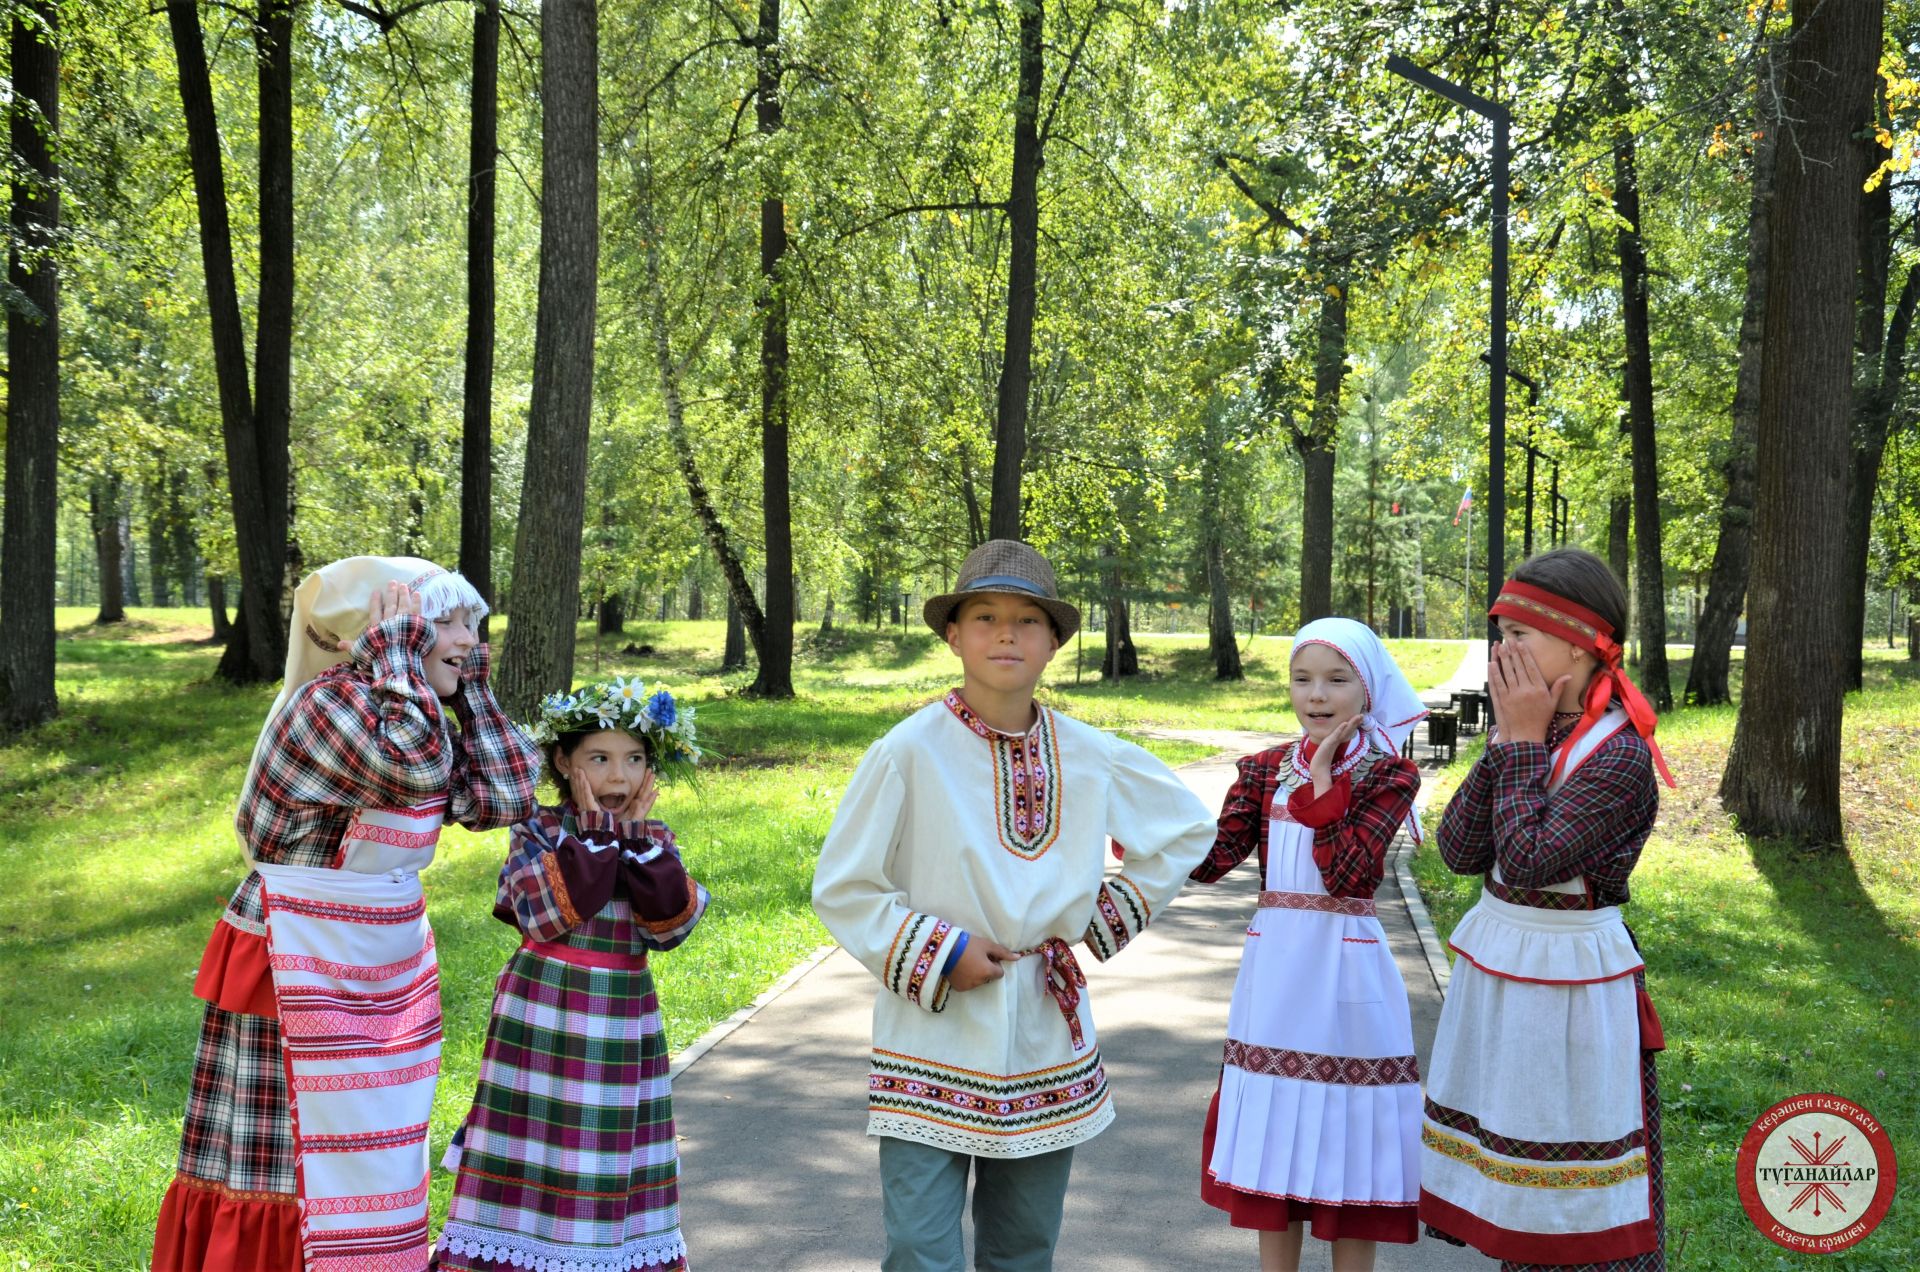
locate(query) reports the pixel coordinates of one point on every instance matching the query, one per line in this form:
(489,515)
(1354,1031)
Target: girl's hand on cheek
(583,795)
(644,797)
(1329,751)
(1523,700)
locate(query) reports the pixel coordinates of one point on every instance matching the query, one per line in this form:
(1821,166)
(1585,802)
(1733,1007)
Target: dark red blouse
(1354,822)
(1594,826)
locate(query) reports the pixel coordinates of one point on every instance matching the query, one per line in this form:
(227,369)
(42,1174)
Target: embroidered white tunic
(950,826)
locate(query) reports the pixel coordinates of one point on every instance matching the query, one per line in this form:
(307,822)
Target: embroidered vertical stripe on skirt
(567,1161)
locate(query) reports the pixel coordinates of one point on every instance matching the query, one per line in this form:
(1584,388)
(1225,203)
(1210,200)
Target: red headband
(1579,626)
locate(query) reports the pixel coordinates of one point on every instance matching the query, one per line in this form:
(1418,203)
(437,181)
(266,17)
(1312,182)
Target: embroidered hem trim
(1469,1126)
(1535,1175)
(221,1190)
(1310,1066)
(520,1251)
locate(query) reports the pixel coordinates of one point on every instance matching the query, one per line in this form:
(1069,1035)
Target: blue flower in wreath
(661,711)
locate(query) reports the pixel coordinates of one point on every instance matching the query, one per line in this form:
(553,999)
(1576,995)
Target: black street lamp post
(1502,120)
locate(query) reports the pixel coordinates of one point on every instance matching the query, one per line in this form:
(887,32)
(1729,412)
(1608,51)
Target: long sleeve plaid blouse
(371,733)
(555,878)
(1594,826)
(1354,822)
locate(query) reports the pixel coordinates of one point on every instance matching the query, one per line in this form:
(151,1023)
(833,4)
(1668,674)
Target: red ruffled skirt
(1329,1221)
(207,1225)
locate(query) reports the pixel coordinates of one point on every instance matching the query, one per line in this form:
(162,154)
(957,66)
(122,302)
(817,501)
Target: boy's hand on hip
(979,963)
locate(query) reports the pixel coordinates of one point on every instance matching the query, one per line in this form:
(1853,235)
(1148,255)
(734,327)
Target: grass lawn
(118,821)
(1776,972)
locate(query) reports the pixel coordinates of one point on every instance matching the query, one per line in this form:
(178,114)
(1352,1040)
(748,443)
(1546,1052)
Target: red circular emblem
(1816,1173)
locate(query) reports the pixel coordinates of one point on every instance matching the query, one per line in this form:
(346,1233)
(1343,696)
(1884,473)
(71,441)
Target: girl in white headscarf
(305,1142)
(1317,1119)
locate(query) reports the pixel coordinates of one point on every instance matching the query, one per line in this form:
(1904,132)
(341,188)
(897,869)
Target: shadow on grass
(1815,888)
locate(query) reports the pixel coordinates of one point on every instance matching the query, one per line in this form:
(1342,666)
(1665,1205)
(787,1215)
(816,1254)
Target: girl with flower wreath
(567,1159)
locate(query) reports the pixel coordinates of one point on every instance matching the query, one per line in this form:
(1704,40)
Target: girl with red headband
(1541,1135)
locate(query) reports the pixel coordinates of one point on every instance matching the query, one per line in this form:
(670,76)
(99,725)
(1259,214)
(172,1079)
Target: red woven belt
(1359,907)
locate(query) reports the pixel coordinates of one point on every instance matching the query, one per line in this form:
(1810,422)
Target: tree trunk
(159,542)
(697,600)
(613,614)
(255,438)
(1879,373)
(217,606)
(1023,226)
(538,656)
(1316,448)
(734,656)
(1316,528)
(826,617)
(775,679)
(476,411)
(970,496)
(1220,638)
(1783,774)
(1649,569)
(1707,682)
(1120,658)
(743,606)
(29,548)
(109,547)
(1872,417)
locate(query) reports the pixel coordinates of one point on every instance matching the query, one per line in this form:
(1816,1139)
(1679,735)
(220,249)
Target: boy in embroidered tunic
(1548,1154)
(305,1135)
(965,856)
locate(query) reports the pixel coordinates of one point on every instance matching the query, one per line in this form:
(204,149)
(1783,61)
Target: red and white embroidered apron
(1534,1139)
(1320,1094)
(358,989)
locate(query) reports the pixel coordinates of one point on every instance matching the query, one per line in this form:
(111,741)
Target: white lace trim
(521,1251)
(921,1131)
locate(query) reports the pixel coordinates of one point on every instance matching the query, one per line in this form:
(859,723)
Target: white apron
(1320,1095)
(1542,1003)
(358,989)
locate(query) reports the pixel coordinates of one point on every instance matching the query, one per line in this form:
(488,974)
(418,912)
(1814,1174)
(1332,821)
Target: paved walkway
(1470,674)
(778,1174)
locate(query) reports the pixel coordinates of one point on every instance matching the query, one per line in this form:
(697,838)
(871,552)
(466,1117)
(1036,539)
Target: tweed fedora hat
(1009,566)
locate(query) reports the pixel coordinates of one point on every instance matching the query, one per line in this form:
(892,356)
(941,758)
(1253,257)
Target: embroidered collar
(1302,757)
(965,714)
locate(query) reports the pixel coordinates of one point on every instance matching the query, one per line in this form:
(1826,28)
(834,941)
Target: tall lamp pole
(1502,120)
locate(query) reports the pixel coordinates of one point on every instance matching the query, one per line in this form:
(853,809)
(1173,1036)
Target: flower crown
(623,704)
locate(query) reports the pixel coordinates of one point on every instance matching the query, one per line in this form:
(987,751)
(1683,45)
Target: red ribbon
(1580,626)
(1064,980)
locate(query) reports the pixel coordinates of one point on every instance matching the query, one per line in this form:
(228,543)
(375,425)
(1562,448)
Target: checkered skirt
(567,1159)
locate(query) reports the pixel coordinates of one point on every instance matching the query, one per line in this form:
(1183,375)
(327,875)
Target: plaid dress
(567,1161)
(1591,829)
(369,733)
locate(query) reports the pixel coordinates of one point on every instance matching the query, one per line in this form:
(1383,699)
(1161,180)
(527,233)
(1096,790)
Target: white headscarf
(1393,708)
(330,605)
